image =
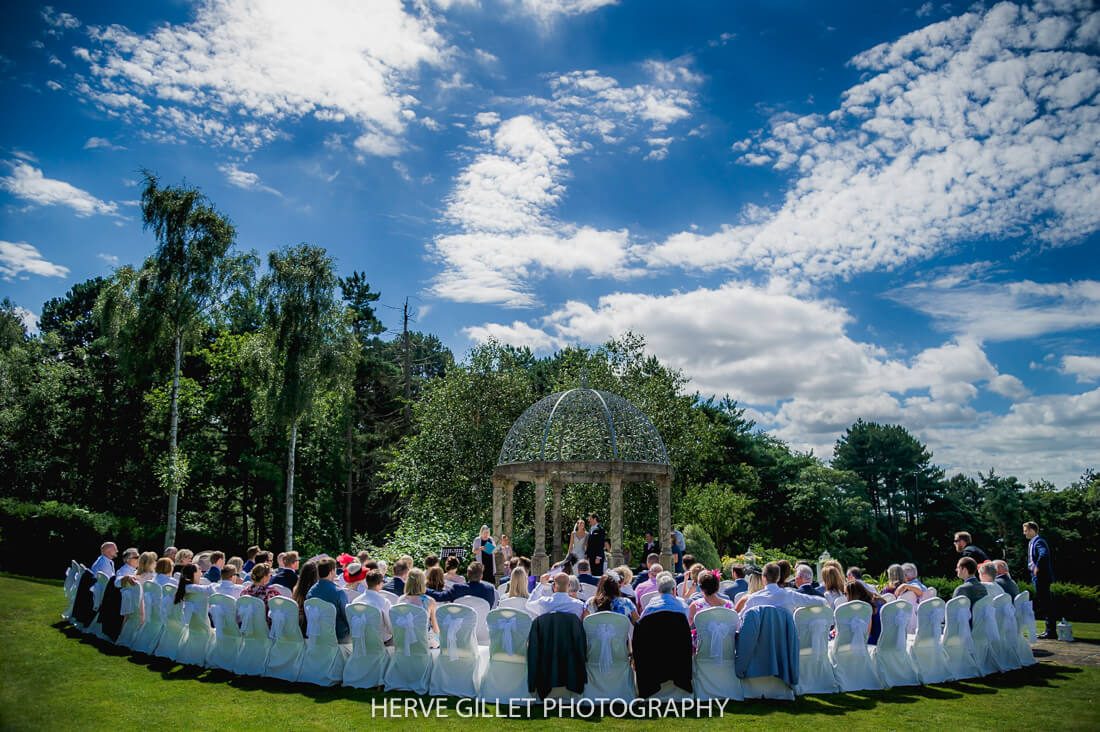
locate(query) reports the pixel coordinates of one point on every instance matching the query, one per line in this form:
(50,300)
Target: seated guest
(856,590)
(584,573)
(777,596)
(129,566)
(532,579)
(475,586)
(1004,580)
(512,564)
(451,575)
(832,580)
(895,578)
(430,561)
(556,601)
(147,567)
(164,571)
(183,558)
(666,599)
(971,588)
(643,576)
(170,553)
(625,587)
(263,557)
(756,584)
(203,562)
(649,585)
(689,561)
(608,598)
(436,586)
(856,574)
(372,596)
(740,584)
(105,562)
(415,584)
(287,573)
(354,575)
(261,586)
(708,584)
(803,581)
(689,587)
(326,589)
(964,546)
(785,571)
(214,574)
(238,563)
(396,584)
(517,583)
(912,589)
(189,580)
(230,583)
(307,578)
(987,573)
(250,559)
(363,557)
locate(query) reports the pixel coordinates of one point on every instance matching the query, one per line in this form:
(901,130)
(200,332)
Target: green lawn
(56,678)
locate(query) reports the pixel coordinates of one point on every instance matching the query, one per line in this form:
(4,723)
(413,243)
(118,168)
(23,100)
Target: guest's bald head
(108,549)
(561,583)
(1001,565)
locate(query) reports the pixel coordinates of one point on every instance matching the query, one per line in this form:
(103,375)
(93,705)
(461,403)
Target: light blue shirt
(665,603)
(103,564)
(554,602)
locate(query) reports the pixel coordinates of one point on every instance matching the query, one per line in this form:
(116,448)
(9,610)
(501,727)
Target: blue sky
(877,210)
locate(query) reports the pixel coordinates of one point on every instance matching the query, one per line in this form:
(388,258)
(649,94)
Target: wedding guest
(895,578)
(164,571)
(261,586)
(451,575)
(740,584)
(666,599)
(129,566)
(183,558)
(307,578)
(475,586)
(214,573)
(325,589)
(856,590)
(971,588)
(435,579)
(756,584)
(608,598)
(250,557)
(584,573)
(517,584)
(414,587)
(625,588)
(543,600)
(147,566)
(708,584)
(803,581)
(396,584)
(430,561)
(230,583)
(189,577)
(170,553)
(1004,579)
(832,579)
(784,573)
(776,596)
(238,563)
(644,575)
(649,585)
(856,574)
(987,575)
(203,562)
(689,588)
(105,562)
(354,575)
(383,566)
(372,596)
(287,573)
(965,546)
(363,557)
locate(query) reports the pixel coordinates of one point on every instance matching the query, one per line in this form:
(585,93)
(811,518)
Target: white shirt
(780,597)
(164,579)
(554,602)
(105,565)
(375,600)
(228,587)
(124,571)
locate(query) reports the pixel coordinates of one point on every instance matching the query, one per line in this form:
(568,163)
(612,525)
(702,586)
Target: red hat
(345,559)
(355,572)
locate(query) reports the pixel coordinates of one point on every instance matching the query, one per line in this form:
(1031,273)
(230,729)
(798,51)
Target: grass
(54,677)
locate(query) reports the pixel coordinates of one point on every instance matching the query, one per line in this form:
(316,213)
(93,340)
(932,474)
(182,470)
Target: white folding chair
(284,658)
(1025,621)
(255,637)
(986,635)
(891,654)
(513,603)
(198,636)
(504,677)
(351,593)
(502,589)
(815,670)
(480,607)
(1005,647)
(130,610)
(608,663)
(645,598)
(147,636)
(410,667)
(227,635)
(738,596)
(958,641)
(926,651)
(324,657)
(458,663)
(852,663)
(171,614)
(365,668)
(713,673)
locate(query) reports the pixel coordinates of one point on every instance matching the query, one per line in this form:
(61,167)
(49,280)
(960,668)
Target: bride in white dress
(578,540)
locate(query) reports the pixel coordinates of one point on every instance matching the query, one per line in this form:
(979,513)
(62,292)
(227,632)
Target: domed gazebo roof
(583,425)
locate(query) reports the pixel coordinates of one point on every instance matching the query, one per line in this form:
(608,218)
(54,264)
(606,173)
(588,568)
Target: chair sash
(131,601)
(858,627)
(408,622)
(819,636)
(901,620)
(717,633)
(962,621)
(451,624)
(988,616)
(190,607)
(220,613)
(313,621)
(507,628)
(604,634)
(358,623)
(936,620)
(247,612)
(278,622)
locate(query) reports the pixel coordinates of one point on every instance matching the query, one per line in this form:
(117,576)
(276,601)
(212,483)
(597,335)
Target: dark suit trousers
(1045,602)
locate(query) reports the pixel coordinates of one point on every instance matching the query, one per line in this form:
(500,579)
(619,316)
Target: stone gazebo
(581,436)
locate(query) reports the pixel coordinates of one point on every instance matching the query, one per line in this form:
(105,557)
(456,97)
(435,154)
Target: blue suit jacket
(214,574)
(1040,555)
(739,585)
(588,579)
(767,645)
(484,590)
(328,591)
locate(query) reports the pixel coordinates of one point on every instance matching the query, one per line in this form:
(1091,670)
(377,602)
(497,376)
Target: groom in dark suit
(595,546)
(1042,572)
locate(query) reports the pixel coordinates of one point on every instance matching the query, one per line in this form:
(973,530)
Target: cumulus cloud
(28,182)
(28,319)
(1085,368)
(94,143)
(981,126)
(19,257)
(110,259)
(242,66)
(546,11)
(245,179)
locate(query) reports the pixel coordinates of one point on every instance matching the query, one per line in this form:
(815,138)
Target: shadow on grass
(833,705)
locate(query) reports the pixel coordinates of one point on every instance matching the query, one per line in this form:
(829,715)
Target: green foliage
(172,471)
(722,510)
(698,543)
(417,538)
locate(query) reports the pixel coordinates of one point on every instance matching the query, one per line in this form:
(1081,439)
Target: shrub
(1073,602)
(698,542)
(418,537)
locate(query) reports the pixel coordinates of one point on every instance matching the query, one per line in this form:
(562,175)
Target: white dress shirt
(780,597)
(228,587)
(103,564)
(164,579)
(124,571)
(374,599)
(545,601)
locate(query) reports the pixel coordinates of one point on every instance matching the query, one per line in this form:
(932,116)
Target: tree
(180,282)
(304,326)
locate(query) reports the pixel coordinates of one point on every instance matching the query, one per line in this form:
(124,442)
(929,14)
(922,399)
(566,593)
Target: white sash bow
(313,621)
(936,619)
(962,621)
(718,633)
(357,623)
(901,620)
(507,628)
(604,634)
(989,620)
(219,613)
(858,628)
(819,630)
(407,622)
(451,623)
(247,613)
(278,622)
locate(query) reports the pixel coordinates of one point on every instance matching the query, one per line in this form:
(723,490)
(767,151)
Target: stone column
(616,536)
(556,488)
(664,519)
(540,563)
(509,508)
(498,555)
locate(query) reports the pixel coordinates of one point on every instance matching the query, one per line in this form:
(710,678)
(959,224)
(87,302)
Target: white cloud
(242,66)
(28,183)
(58,20)
(110,259)
(28,319)
(53,85)
(94,143)
(1009,386)
(546,11)
(967,129)
(17,257)
(244,179)
(517,334)
(1085,368)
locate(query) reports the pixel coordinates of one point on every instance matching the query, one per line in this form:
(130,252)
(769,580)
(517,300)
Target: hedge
(1073,602)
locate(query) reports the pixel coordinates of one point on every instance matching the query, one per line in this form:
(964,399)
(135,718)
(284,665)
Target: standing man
(679,546)
(1042,573)
(595,546)
(964,546)
(652,546)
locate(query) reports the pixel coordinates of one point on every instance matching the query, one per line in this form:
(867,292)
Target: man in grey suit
(1004,580)
(971,588)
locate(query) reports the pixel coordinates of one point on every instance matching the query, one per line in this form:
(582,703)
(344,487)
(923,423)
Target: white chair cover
(502,589)
(198,636)
(512,603)
(608,663)
(171,613)
(411,665)
(815,670)
(458,664)
(255,640)
(926,651)
(352,593)
(72,581)
(504,677)
(1004,646)
(390,597)
(145,641)
(1025,622)
(365,668)
(986,635)
(645,598)
(227,636)
(96,628)
(284,658)
(283,590)
(852,663)
(587,591)
(324,657)
(891,655)
(130,610)
(713,674)
(480,607)
(725,585)
(957,640)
